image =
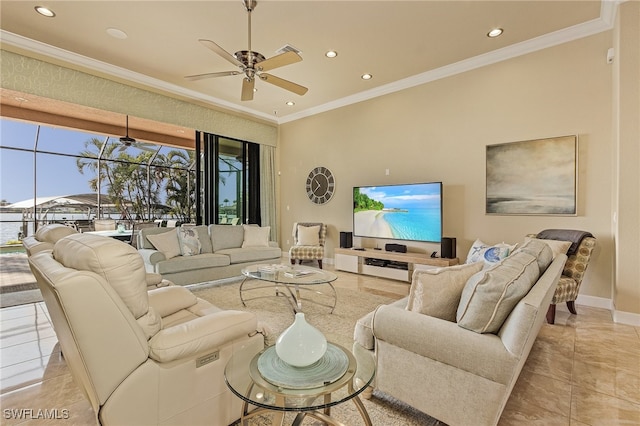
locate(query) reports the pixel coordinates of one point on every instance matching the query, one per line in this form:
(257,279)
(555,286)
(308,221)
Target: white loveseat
(458,375)
(140,357)
(224,250)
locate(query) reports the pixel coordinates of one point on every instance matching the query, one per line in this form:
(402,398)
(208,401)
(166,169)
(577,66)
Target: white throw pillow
(556,246)
(436,292)
(166,242)
(308,235)
(497,252)
(256,236)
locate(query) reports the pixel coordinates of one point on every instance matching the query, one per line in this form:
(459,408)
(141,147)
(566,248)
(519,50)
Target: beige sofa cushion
(436,292)
(226,236)
(52,233)
(557,247)
(489,296)
(118,263)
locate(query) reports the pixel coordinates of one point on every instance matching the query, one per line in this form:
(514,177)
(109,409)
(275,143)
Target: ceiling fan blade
(279,61)
(285,84)
(220,51)
(247,89)
(211,74)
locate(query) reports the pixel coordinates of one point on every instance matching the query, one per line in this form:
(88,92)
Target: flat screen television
(410,212)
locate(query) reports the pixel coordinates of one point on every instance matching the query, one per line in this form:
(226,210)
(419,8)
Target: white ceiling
(402,43)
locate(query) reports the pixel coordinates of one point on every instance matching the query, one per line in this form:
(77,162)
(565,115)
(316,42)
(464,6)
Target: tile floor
(585,370)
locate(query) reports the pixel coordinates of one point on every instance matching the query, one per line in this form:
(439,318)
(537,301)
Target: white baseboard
(619,317)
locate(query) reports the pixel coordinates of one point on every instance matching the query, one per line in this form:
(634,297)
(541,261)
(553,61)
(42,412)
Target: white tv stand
(401,265)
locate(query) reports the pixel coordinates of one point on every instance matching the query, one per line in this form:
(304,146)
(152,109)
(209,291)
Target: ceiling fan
(253,64)
(126,142)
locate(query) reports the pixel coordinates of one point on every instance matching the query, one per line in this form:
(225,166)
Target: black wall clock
(320,185)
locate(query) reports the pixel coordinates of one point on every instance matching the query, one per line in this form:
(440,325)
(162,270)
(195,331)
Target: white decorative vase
(301,344)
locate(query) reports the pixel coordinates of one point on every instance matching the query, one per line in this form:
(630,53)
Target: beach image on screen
(403,212)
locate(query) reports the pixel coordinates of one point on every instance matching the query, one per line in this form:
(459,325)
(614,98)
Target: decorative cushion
(189,241)
(436,292)
(557,247)
(490,295)
(308,235)
(166,242)
(256,236)
(479,249)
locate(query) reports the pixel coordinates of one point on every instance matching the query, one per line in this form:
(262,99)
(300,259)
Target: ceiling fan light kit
(253,64)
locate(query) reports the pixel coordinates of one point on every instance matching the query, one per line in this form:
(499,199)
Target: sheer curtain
(268,189)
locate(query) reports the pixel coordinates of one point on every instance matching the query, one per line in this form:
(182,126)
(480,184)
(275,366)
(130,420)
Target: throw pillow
(479,249)
(166,242)
(436,292)
(308,235)
(557,247)
(256,236)
(189,241)
(476,252)
(490,295)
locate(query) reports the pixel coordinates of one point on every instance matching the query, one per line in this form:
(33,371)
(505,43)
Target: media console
(386,264)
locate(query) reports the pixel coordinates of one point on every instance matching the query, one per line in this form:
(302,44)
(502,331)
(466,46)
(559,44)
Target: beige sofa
(45,237)
(140,357)
(462,376)
(224,250)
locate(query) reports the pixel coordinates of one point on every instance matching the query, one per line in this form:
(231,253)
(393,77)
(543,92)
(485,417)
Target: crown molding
(85,62)
(595,26)
(603,23)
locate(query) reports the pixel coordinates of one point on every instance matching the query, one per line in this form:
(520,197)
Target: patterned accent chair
(572,275)
(306,244)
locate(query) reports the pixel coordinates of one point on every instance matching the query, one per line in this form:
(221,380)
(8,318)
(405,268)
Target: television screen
(401,212)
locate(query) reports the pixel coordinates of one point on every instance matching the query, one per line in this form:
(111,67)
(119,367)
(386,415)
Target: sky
(57,175)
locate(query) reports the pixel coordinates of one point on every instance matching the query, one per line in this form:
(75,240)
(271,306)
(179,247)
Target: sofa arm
(151,257)
(444,341)
(201,335)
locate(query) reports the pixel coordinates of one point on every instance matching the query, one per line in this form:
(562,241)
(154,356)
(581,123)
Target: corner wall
(439,132)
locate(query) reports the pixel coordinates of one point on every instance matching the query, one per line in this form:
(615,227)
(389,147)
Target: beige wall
(626,117)
(439,131)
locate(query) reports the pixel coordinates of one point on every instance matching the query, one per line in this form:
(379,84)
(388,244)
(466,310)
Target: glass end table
(243,376)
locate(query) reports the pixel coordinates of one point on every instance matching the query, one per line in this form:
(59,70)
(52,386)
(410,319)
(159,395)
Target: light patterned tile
(520,412)
(541,391)
(598,409)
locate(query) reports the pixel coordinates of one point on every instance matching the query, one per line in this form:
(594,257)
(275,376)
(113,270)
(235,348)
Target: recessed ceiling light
(45,11)
(291,103)
(331,54)
(116,33)
(495,32)
(21,99)
(366,76)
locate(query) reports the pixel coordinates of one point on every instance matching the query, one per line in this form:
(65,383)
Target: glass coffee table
(288,281)
(268,385)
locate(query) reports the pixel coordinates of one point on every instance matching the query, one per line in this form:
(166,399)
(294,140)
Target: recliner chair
(140,357)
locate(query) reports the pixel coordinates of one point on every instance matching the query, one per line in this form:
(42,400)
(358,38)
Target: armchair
(578,256)
(139,356)
(308,242)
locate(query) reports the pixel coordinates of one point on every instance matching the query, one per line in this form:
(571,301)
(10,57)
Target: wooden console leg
(572,307)
(551,314)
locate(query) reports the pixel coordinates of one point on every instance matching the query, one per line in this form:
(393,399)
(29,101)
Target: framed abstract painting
(535,177)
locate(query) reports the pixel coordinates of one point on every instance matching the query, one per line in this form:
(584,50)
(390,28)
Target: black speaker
(346,239)
(448,248)
(400,248)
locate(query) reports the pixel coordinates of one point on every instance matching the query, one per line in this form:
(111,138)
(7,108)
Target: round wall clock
(320,185)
